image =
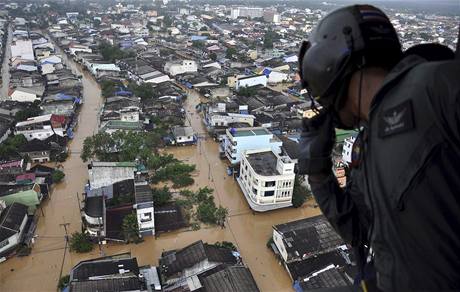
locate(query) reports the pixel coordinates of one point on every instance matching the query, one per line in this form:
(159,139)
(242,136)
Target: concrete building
(41,127)
(250,81)
(22,49)
(347,149)
(23,94)
(224,119)
(236,141)
(93,214)
(144,209)
(266,179)
(183,135)
(250,12)
(180,67)
(13,221)
(102,174)
(29,195)
(271,15)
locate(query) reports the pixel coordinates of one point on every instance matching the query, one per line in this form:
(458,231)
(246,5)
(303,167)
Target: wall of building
(146,220)
(278,240)
(252,81)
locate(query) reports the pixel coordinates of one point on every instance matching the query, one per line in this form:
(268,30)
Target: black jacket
(407,186)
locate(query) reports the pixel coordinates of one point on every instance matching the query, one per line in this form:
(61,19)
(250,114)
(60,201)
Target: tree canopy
(112,53)
(269,37)
(9,147)
(300,193)
(120,146)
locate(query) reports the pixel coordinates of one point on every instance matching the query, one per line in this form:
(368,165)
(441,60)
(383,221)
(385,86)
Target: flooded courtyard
(247,230)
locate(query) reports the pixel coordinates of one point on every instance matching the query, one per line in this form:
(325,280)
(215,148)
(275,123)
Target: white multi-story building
(347,149)
(144,209)
(224,119)
(174,68)
(237,140)
(251,12)
(266,179)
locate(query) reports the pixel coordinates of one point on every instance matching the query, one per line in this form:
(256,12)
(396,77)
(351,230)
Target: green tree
(157,161)
(206,212)
(120,146)
(172,170)
(80,242)
(32,110)
(131,228)
(63,282)
(300,193)
(182,180)
(167,21)
(226,244)
(57,176)
(112,53)
(213,56)
(9,147)
(221,214)
(108,88)
(269,37)
(246,91)
(161,196)
(144,91)
(197,44)
(230,52)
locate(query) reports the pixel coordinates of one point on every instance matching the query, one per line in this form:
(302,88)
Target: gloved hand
(316,143)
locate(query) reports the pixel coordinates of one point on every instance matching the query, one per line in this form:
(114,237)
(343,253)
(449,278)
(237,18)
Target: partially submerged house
(204,267)
(116,273)
(13,220)
(314,255)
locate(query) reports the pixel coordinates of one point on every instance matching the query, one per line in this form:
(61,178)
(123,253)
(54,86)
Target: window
(146,217)
(270,183)
(254,190)
(4,243)
(269,193)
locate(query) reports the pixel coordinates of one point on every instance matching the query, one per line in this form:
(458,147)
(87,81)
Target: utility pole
(65,224)
(101,252)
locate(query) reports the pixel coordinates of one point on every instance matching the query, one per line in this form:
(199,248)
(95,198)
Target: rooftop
(107,285)
(310,236)
(94,206)
(230,279)
(172,262)
(263,163)
(104,267)
(244,132)
(143,193)
(11,219)
(169,217)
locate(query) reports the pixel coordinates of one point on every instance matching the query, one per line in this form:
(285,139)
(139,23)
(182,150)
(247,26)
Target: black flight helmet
(344,41)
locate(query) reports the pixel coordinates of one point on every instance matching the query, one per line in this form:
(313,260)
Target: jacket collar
(404,66)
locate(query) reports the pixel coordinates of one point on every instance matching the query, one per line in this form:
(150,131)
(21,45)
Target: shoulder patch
(397,119)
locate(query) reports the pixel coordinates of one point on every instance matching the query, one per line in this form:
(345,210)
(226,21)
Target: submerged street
(247,230)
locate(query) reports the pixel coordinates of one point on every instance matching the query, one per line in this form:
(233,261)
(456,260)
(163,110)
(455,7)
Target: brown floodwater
(249,231)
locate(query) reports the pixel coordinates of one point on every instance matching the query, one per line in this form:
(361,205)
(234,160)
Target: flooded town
(153,146)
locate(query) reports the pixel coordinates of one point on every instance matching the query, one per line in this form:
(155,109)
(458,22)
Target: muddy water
(6,66)
(249,231)
(40,270)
